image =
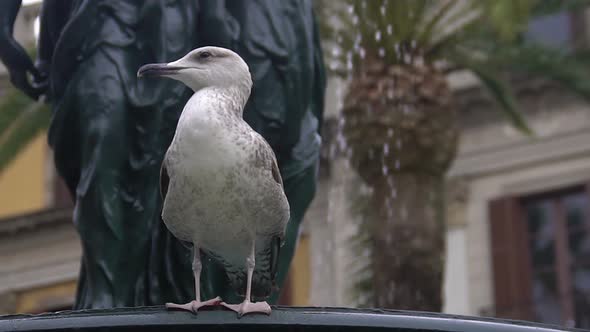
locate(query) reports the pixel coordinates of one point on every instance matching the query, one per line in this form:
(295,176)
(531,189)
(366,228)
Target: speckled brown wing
(265,270)
(269,155)
(164,181)
(276,174)
(268,246)
(272,256)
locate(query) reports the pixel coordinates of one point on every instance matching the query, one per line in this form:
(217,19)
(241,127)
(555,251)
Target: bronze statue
(109,130)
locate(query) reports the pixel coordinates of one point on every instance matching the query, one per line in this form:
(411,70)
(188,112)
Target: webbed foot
(248,307)
(195,305)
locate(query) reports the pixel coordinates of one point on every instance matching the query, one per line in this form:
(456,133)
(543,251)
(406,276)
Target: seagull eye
(204,55)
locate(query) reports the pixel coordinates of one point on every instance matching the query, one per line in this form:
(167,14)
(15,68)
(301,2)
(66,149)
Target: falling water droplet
(382,10)
(386,149)
(406,109)
(398,143)
(397,163)
(355,19)
(403,212)
(419,61)
(378,35)
(350,9)
(348,153)
(390,132)
(336,51)
(384,170)
(389,29)
(381,52)
(407,58)
(347,160)
(340,141)
(349,63)
(333,65)
(362,52)
(332,151)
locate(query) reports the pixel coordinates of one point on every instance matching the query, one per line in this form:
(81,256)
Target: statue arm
(12,54)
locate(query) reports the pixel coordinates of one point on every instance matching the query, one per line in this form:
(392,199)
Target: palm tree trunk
(401,126)
(408,242)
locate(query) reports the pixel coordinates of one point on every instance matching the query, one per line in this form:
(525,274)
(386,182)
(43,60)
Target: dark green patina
(109,131)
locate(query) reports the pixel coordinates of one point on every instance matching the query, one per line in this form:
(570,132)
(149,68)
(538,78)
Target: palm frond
(503,95)
(508,18)
(30,121)
(499,90)
(570,70)
(453,34)
(420,9)
(11,106)
(436,14)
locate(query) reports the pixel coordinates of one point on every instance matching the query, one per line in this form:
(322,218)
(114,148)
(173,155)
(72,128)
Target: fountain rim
(305,317)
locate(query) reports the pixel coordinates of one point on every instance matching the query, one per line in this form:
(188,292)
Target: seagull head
(204,67)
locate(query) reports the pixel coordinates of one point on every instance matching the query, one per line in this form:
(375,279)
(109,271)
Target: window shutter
(510,259)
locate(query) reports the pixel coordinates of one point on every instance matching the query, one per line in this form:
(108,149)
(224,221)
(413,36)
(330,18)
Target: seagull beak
(158,69)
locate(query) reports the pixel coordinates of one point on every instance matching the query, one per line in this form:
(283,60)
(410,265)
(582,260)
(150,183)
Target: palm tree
(21,120)
(400,121)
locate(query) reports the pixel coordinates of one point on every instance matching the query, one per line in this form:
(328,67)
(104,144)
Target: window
(551,30)
(541,257)
(565,30)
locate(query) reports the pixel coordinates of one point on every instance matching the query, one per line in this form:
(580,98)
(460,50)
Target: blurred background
(473,114)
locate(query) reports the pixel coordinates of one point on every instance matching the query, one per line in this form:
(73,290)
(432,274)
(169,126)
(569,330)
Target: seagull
(219,180)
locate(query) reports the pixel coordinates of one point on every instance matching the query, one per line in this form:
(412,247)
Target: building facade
(518,239)
(39,248)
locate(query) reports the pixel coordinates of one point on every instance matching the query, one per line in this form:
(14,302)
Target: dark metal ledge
(281,319)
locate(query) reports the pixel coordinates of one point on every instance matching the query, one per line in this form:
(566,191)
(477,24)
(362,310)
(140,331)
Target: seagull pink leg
(247,307)
(195,305)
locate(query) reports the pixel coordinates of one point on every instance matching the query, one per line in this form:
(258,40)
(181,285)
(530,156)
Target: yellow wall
(46,298)
(300,273)
(22,184)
